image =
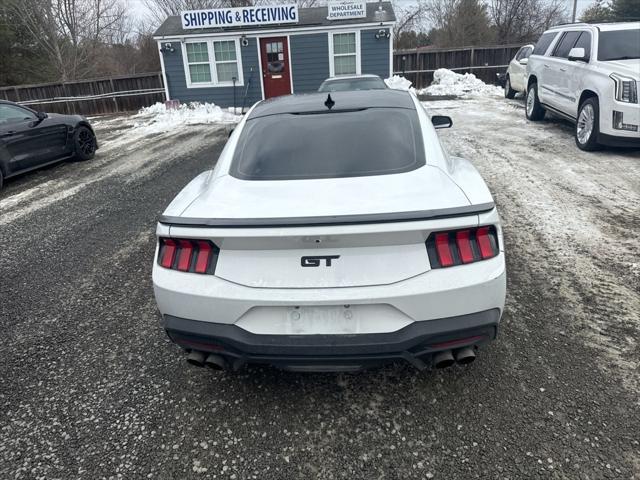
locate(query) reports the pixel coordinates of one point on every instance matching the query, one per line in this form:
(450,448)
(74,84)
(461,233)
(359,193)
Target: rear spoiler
(413,216)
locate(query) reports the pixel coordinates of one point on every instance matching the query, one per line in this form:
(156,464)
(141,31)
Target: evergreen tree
(597,12)
(625,10)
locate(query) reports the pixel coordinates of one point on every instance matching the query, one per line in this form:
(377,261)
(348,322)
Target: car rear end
(369,256)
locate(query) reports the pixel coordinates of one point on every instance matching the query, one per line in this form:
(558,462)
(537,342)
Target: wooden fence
(484,62)
(90,97)
(132,92)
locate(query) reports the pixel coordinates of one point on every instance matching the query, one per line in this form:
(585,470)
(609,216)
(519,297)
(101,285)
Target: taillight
(186,255)
(457,247)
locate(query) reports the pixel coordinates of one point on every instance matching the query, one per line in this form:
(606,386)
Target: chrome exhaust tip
(465,356)
(196,358)
(443,359)
(216,362)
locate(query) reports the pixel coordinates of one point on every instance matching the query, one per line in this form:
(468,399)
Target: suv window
(371,141)
(544,42)
(524,52)
(565,44)
(619,44)
(584,41)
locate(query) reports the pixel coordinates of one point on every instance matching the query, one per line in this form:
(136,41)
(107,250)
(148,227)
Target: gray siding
(309,61)
(374,54)
(222,96)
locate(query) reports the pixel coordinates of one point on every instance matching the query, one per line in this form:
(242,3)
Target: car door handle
(563,69)
(546,66)
(9,133)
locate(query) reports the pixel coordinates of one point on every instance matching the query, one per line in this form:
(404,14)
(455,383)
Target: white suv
(589,74)
(517,72)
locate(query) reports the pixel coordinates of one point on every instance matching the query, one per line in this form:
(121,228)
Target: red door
(275,66)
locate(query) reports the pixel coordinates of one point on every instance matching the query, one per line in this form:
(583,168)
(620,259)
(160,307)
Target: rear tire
(508,91)
(588,125)
(533,109)
(85,143)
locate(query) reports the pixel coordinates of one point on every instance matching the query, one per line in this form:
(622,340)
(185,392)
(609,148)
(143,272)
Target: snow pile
(446,82)
(399,83)
(158,118)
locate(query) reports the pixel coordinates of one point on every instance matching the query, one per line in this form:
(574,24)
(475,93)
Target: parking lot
(92,388)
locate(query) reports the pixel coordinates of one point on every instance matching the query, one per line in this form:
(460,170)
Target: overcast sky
(139,9)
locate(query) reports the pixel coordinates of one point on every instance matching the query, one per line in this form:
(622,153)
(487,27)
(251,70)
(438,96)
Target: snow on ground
(158,118)
(447,82)
(131,147)
(570,220)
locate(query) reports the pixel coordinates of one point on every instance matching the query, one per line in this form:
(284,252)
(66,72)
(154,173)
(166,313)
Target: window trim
(212,62)
(332,67)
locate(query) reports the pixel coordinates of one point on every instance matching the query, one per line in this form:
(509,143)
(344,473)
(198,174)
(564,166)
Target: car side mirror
(577,54)
(523,61)
(41,115)
(441,121)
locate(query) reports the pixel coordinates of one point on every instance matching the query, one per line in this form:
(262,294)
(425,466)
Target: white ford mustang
(333,233)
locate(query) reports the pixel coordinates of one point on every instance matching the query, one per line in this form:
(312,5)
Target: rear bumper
(415,343)
(439,293)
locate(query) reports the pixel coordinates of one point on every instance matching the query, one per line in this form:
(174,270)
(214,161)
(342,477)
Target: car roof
(352,77)
(618,26)
(351,100)
(597,26)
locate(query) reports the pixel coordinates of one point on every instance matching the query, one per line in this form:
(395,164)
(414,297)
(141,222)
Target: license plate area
(341,319)
(344,319)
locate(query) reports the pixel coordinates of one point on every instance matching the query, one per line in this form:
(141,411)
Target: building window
(212,63)
(226,60)
(345,54)
(198,59)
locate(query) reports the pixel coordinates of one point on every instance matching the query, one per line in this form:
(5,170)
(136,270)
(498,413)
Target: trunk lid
(304,254)
(426,188)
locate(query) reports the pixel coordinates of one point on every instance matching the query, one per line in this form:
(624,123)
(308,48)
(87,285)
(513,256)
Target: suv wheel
(533,109)
(508,91)
(587,126)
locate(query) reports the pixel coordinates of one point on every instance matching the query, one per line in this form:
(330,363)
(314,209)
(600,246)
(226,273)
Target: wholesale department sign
(241,16)
(343,9)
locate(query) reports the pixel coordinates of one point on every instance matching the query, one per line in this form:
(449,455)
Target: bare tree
(460,23)
(409,18)
(524,20)
(70,31)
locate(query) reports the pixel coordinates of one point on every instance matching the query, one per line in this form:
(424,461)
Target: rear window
(352,84)
(544,42)
(619,45)
(373,141)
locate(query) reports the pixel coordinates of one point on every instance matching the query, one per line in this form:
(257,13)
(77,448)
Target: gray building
(269,51)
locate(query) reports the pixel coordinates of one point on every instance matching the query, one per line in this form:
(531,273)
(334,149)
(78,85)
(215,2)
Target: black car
(30,139)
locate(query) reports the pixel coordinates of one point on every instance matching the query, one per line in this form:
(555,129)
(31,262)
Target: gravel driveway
(91,388)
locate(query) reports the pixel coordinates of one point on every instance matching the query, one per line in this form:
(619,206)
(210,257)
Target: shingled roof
(309,17)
